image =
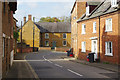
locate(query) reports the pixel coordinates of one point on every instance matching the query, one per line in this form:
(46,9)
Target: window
(87,10)
(46,35)
(108,49)
(114,3)
(46,43)
(64,36)
(83,28)
(83,47)
(3,47)
(64,43)
(94,27)
(108,25)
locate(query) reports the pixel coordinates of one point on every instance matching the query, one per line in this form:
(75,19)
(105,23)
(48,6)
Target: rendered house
(46,34)
(6,36)
(99,32)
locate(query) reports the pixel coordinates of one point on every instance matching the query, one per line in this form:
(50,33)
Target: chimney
(24,20)
(29,17)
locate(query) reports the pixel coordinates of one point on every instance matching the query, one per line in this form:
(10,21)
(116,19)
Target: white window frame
(46,44)
(94,27)
(46,35)
(83,46)
(63,43)
(87,10)
(107,29)
(3,47)
(63,35)
(114,3)
(106,49)
(83,29)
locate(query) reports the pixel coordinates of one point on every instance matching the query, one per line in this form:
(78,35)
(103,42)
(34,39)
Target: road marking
(58,65)
(74,72)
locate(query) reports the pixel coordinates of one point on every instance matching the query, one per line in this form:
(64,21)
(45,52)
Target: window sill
(108,31)
(94,32)
(83,52)
(64,45)
(110,54)
(83,33)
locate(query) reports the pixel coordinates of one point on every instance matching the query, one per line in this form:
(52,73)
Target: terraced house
(6,35)
(98,32)
(46,34)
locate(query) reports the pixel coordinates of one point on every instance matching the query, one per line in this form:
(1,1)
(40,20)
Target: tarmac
(22,70)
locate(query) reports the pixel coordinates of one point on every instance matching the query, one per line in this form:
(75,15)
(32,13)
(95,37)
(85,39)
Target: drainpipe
(99,39)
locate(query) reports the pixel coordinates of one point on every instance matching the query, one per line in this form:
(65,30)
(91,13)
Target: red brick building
(99,32)
(6,34)
(79,8)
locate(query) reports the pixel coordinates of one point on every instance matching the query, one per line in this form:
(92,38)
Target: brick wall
(45,48)
(119,35)
(78,10)
(0,40)
(62,49)
(104,36)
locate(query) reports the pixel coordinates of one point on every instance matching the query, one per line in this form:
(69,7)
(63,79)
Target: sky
(42,8)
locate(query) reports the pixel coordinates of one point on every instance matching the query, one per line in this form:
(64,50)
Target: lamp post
(21,36)
(33,33)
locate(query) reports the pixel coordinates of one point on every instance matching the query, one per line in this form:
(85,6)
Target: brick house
(6,35)
(46,34)
(79,8)
(98,32)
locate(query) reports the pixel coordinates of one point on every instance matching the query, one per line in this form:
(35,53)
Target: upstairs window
(94,27)
(114,3)
(87,10)
(64,36)
(46,35)
(108,25)
(83,28)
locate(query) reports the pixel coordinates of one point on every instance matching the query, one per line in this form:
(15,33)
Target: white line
(58,65)
(44,58)
(74,72)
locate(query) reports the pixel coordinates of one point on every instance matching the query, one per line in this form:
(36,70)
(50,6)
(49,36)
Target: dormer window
(114,3)
(87,10)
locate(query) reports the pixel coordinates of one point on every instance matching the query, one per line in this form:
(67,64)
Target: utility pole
(33,33)
(21,36)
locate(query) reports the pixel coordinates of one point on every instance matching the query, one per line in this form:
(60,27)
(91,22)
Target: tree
(55,19)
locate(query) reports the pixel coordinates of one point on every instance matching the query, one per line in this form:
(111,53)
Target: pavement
(20,69)
(106,66)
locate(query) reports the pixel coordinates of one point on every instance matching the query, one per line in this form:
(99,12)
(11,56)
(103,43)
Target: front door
(94,48)
(53,44)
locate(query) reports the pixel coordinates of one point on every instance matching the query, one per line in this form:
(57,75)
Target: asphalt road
(48,64)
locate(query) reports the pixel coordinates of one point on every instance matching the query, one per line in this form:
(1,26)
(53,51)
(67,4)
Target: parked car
(70,52)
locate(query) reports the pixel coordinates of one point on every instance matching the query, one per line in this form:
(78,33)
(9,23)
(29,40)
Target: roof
(73,6)
(53,27)
(103,8)
(93,3)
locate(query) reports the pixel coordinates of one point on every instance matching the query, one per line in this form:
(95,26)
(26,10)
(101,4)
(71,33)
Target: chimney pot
(24,20)
(29,17)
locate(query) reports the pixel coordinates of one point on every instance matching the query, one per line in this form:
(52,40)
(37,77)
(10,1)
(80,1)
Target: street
(48,64)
